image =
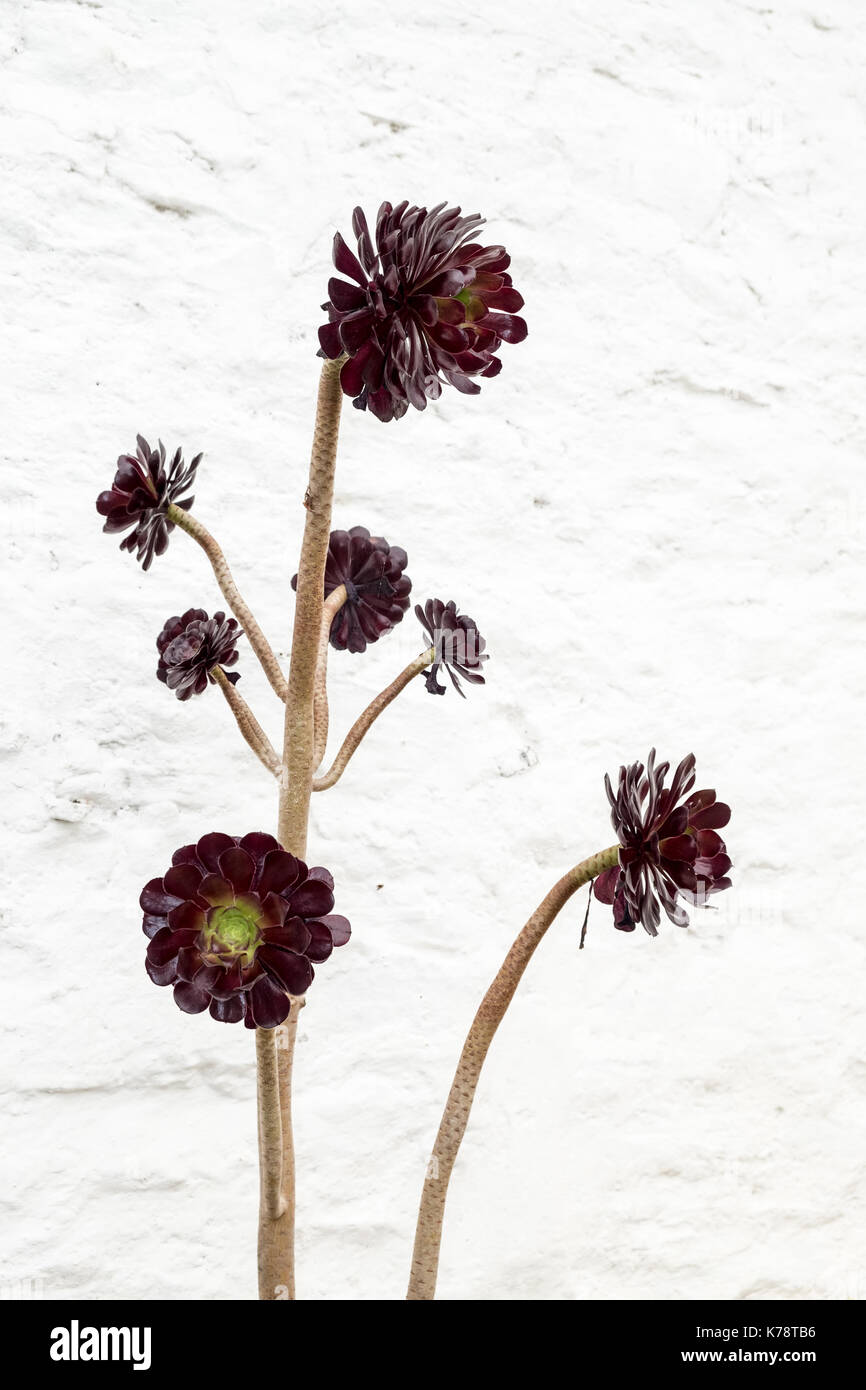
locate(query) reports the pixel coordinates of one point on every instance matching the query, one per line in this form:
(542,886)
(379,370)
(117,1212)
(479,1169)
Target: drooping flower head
(235,926)
(669,848)
(426,305)
(458,645)
(191,646)
(378,590)
(140,496)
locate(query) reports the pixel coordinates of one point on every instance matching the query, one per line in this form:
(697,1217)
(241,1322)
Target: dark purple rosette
(139,498)
(376,587)
(191,646)
(426,305)
(669,847)
(458,645)
(236,925)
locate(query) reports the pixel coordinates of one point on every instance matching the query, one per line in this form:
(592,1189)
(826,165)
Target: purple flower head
(669,848)
(191,646)
(139,498)
(378,590)
(426,305)
(236,924)
(458,645)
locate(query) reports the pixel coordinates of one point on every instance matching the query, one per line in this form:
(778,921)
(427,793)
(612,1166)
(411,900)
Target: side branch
(333,603)
(249,726)
(364,721)
(428,1235)
(231,593)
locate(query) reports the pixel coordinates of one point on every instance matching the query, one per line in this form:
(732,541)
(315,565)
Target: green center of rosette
(233,931)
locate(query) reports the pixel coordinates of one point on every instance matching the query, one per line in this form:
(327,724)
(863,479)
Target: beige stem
(428,1234)
(277,1235)
(333,603)
(364,721)
(247,723)
(299,745)
(239,608)
(270,1133)
(275,1050)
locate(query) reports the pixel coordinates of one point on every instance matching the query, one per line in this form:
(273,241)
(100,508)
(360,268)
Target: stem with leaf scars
(270,1129)
(428,1234)
(277,1234)
(284,1038)
(223,574)
(249,726)
(299,726)
(333,603)
(364,721)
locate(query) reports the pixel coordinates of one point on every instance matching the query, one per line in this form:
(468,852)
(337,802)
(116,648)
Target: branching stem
(365,721)
(232,595)
(249,726)
(333,603)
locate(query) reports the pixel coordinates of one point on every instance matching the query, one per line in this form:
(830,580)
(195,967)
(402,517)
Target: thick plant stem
(277,1235)
(275,1050)
(364,721)
(249,726)
(270,1132)
(231,593)
(333,603)
(286,1037)
(428,1234)
(299,744)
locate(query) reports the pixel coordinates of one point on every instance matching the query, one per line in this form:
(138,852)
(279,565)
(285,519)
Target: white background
(654,514)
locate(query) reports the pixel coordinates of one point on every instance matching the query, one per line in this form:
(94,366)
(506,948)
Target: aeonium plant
(239,921)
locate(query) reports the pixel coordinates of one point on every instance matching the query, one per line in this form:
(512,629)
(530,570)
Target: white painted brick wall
(656,516)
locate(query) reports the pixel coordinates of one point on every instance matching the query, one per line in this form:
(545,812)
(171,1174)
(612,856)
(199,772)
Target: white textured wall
(656,516)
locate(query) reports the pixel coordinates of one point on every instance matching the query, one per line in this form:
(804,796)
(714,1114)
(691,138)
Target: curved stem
(332,605)
(231,593)
(428,1234)
(249,726)
(364,721)
(277,1234)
